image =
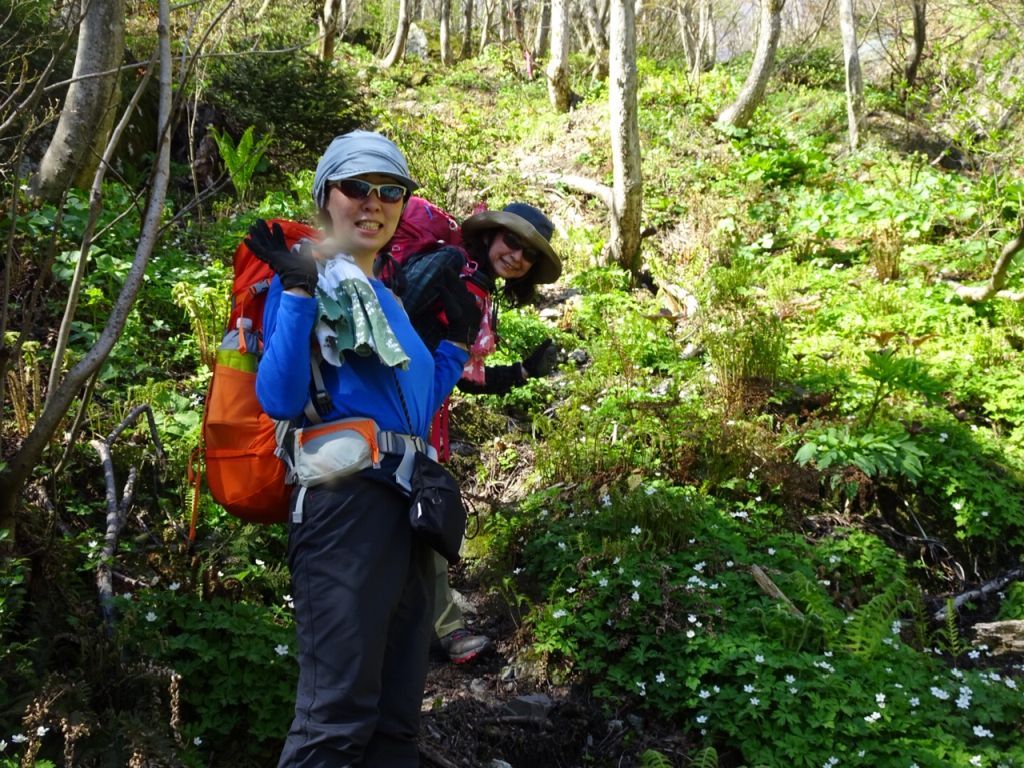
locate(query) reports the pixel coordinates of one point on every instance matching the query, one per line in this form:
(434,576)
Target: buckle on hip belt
(407,446)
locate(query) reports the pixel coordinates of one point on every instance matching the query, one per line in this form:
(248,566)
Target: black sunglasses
(514,243)
(357,189)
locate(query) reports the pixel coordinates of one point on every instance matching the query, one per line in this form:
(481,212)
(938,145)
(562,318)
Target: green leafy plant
(654,759)
(878,454)
(235,655)
(241,159)
(892,373)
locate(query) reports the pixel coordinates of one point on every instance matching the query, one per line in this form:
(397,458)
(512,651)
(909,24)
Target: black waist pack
(436,511)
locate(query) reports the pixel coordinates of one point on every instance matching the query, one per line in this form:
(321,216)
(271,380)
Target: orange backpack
(243,473)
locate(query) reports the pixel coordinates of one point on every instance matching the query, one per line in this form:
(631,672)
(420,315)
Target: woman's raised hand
(295,269)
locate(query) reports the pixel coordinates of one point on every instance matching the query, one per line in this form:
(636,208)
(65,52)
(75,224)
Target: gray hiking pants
(362,590)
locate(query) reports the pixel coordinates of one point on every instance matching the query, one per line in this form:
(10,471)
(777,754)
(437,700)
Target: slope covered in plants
(738,511)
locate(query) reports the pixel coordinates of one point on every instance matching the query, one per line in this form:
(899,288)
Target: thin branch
(980,593)
(95,208)
(117,509)
(997,281)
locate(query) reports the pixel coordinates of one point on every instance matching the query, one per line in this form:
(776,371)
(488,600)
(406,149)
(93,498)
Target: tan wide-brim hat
(533,227)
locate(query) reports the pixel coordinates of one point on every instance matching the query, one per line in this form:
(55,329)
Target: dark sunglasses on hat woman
(357,189)
(514,243)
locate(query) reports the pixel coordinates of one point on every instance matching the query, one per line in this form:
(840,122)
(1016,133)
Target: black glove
(542,360)
(461,309)
(295,270)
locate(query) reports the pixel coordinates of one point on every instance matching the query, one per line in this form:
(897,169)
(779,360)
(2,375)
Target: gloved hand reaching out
(461,309)
(542,360)
(295,270)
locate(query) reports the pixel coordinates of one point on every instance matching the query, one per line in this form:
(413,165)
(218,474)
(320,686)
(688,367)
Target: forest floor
(491,713)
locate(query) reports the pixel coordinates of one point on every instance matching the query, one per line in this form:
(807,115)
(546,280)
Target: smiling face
(362,227)
(510,258)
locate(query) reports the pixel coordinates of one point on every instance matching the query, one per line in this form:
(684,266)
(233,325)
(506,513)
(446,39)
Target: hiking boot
(462,645)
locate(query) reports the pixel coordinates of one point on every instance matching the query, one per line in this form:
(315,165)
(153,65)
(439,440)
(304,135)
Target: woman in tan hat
(512,244)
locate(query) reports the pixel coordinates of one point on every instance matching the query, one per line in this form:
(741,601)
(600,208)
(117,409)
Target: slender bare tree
(331,21)
(87,115)
(445,44)
(558,64)
(917,47)
(598,37)
(627,182)
(851,66)
(20,465)
(467,30)
(401,35)
(751,93)
(540,39)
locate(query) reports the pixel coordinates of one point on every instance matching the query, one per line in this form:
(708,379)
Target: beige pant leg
(447,616)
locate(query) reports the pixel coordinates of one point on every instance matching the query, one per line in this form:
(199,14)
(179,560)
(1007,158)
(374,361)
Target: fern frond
(654,759)
(706,758)
(872,622)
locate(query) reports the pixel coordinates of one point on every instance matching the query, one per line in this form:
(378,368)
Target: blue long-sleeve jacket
(363,386)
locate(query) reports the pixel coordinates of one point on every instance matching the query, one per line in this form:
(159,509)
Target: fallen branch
(769,587)
(581,184)
(980,593)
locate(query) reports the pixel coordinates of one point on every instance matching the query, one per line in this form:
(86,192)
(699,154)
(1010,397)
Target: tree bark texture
(100,49)
(851,66)
(598,37)
(558,64)
(328,25)
(467,30)
(401,35)
(751,93)
(917,46)
(445,43)
(627,182)
(540,40)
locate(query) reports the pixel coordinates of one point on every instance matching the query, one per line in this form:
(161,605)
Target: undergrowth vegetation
(760,471)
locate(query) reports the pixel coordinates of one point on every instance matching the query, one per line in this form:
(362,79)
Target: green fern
(949,636)
(872,622)
(654,759)
(706,758)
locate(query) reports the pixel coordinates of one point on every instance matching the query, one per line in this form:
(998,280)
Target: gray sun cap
(357,153)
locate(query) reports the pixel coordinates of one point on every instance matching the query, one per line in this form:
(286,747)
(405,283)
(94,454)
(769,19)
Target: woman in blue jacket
(361,582)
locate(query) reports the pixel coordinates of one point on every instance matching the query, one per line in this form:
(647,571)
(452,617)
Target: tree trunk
(851,65)
(401,34)
(917,49)
(627,183)
(519,22)
(485,26)
(598,38)
(445,43)
(688,35)
(540,40)
(751,94)
(21,464)
(70,155)
(467,30)
(328,25)
(708,37)
(558,64)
